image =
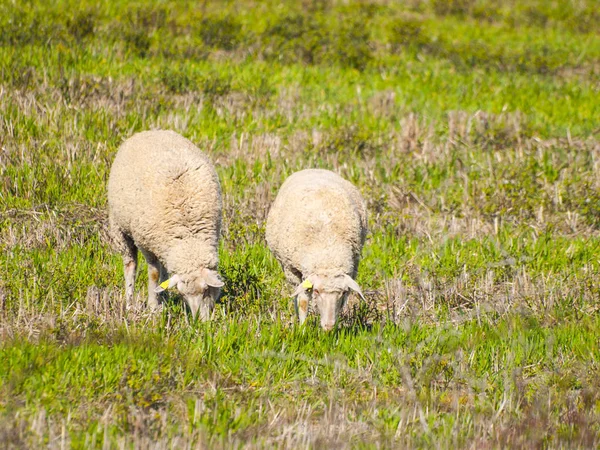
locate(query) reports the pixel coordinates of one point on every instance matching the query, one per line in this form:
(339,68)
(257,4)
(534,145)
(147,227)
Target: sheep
(316,229)
(164,198)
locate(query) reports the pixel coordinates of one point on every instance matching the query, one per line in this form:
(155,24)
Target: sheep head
(329,294)
(200,290)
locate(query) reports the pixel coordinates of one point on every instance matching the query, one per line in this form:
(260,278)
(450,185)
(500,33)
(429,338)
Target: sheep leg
(294,276)
(130,269)
(302,307)
(124,244)
(156,272)
(129,252)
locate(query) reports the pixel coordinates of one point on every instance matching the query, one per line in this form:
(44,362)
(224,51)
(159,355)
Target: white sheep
(316,229)
(164,199)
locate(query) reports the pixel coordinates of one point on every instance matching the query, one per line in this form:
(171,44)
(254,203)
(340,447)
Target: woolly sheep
(164,199)
(316,229)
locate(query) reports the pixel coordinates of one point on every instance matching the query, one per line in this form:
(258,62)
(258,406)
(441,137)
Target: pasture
(472,129)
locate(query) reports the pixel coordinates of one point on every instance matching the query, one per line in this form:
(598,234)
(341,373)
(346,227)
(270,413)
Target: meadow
(471,128)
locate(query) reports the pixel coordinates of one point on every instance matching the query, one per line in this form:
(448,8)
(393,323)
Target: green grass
(471,128)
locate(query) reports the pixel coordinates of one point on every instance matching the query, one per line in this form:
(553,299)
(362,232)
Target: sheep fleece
(317,224)
(164,193)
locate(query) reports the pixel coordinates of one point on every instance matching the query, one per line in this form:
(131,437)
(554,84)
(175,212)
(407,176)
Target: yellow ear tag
(164,284)
(306,284)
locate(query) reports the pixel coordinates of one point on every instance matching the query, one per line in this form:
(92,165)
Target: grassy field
(471,127)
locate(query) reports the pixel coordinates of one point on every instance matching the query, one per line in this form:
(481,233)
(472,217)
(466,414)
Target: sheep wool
(316,229)
(164,199)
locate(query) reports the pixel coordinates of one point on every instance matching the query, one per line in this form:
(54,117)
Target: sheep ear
(349,283)
(299,290)
(171,282)
(306,285)
(211,277)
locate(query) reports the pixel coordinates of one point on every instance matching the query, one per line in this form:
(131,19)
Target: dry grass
(480,270)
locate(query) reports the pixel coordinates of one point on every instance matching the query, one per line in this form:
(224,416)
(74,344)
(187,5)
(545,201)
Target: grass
(470,127)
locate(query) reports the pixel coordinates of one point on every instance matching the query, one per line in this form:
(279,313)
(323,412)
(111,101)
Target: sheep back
(164,193)
(318,223)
